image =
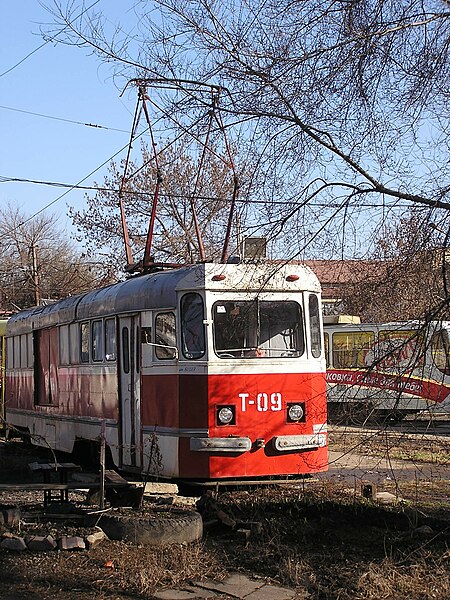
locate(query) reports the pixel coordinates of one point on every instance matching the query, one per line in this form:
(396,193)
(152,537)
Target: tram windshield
(253,329)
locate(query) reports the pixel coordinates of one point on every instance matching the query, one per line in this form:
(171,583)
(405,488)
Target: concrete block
(153,487)
(194,594)
(236,585)
(71,542)
(271,592)
(387,498)
(95,539)
(16,544)
(40,543)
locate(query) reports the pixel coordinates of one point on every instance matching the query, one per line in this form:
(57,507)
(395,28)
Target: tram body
(387,369)
(207,373)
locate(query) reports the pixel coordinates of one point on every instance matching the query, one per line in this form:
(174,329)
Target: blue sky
(57,81)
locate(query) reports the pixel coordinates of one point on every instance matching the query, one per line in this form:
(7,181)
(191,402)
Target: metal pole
(35,275)
(102,465)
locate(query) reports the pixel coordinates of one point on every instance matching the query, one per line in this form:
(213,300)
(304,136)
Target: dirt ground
(319,536)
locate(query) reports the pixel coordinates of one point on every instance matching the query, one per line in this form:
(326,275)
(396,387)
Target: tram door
(130,401)
(46,357)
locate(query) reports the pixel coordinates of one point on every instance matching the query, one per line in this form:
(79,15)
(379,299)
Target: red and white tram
(212,372)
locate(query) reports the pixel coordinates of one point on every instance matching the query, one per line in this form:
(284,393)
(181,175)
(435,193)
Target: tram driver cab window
(258,329)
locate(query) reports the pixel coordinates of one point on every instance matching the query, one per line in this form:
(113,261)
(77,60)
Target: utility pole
(34,274)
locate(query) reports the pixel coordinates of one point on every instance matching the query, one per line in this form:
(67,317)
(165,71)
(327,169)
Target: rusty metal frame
(147,263)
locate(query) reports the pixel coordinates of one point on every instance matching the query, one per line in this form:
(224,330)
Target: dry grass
(320,538)
(397,445)
(329,544)
(391,580)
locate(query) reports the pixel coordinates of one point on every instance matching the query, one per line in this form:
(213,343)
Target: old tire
(160,529)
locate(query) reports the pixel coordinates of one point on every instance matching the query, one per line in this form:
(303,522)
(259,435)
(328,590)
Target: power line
(95,126)
(70,186)
(23,59)
(46,42)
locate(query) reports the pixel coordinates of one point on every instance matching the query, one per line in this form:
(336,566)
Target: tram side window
(400,349)
(192,326)
(23,351)
(74,344)
(30,349)
(64,356)
(351,348)
(97,341)
(314,325)
(10,353)
(110,339)
(17,351)
(165,336)
(440,350)
(84,339)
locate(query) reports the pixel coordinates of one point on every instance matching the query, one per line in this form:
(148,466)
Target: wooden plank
(114,477)
(54,467)
(57,486)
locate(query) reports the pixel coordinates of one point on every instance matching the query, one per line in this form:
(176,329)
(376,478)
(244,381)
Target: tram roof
(159,290)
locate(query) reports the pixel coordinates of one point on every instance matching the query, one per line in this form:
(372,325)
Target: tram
(387,370)
(203,373)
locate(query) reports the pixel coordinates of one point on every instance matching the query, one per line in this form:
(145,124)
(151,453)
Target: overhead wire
(46,41)
(35,114)
(71,186)
(74,186)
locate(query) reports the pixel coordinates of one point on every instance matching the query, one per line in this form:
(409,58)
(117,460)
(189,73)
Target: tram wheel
(159,529)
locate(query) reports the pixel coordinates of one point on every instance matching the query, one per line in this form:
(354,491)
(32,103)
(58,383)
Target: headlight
(225,415)
(296,412)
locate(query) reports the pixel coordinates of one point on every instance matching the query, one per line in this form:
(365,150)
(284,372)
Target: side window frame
(110,339)
(193,330)
(74,344)
(97,340)
(84,342)
(64,345)
(315,335)
(161,352)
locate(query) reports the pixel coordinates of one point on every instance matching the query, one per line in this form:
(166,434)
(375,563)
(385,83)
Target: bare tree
(341,106)
(38,264)
(408,276)
(99,226)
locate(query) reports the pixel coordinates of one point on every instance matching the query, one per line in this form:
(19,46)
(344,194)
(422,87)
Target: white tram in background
(388,369)
(212,372)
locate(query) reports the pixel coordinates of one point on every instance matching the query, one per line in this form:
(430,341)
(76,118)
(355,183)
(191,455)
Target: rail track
(437,424)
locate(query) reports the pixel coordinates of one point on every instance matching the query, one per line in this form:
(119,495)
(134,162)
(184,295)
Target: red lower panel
(260,403)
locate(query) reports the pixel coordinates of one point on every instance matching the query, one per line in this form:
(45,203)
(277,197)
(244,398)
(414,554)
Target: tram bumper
(228,444)
(289,443)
